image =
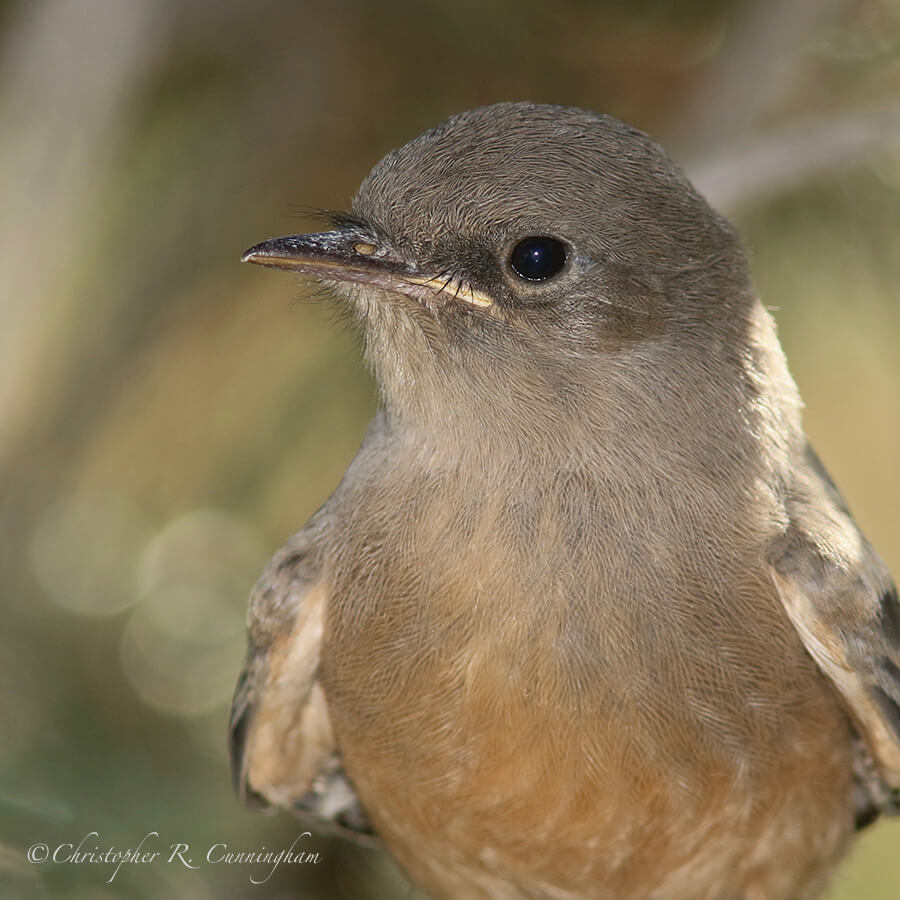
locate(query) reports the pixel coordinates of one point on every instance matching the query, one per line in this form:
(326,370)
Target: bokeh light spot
(84,551)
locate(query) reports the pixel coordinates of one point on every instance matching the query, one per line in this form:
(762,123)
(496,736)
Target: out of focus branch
(67,74)
(765,50)
(759,167)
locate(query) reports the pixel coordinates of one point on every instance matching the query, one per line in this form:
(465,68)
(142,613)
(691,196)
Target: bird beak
(347,254)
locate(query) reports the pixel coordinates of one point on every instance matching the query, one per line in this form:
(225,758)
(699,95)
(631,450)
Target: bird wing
(840,598)
(283,750)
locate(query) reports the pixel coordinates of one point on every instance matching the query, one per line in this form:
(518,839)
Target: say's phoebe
(586,617)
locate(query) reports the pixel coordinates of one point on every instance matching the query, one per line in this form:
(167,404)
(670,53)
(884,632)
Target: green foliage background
(168,417)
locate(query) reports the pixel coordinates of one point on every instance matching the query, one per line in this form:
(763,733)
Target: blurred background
(168,417)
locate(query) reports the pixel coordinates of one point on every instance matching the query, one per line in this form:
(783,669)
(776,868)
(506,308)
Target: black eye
(538,258)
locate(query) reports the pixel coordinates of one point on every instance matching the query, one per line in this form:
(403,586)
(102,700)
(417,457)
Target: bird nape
(585,617)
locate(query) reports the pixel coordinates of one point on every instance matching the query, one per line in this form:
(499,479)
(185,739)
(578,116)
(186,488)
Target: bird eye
(538,258)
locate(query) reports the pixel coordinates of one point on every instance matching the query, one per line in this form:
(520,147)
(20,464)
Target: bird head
(519,252)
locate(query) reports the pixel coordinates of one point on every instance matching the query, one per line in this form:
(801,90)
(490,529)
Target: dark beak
(349,254)
(345,254)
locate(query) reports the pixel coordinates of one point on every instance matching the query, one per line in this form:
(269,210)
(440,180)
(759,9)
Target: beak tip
(252,255)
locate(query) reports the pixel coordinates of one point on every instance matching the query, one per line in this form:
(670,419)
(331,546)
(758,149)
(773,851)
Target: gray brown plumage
(586,617)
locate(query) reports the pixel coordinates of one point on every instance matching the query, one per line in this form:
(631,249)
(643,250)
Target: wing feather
(283,750)
(840,598)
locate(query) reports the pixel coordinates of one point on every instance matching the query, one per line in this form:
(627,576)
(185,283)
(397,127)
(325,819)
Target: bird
(586,617)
